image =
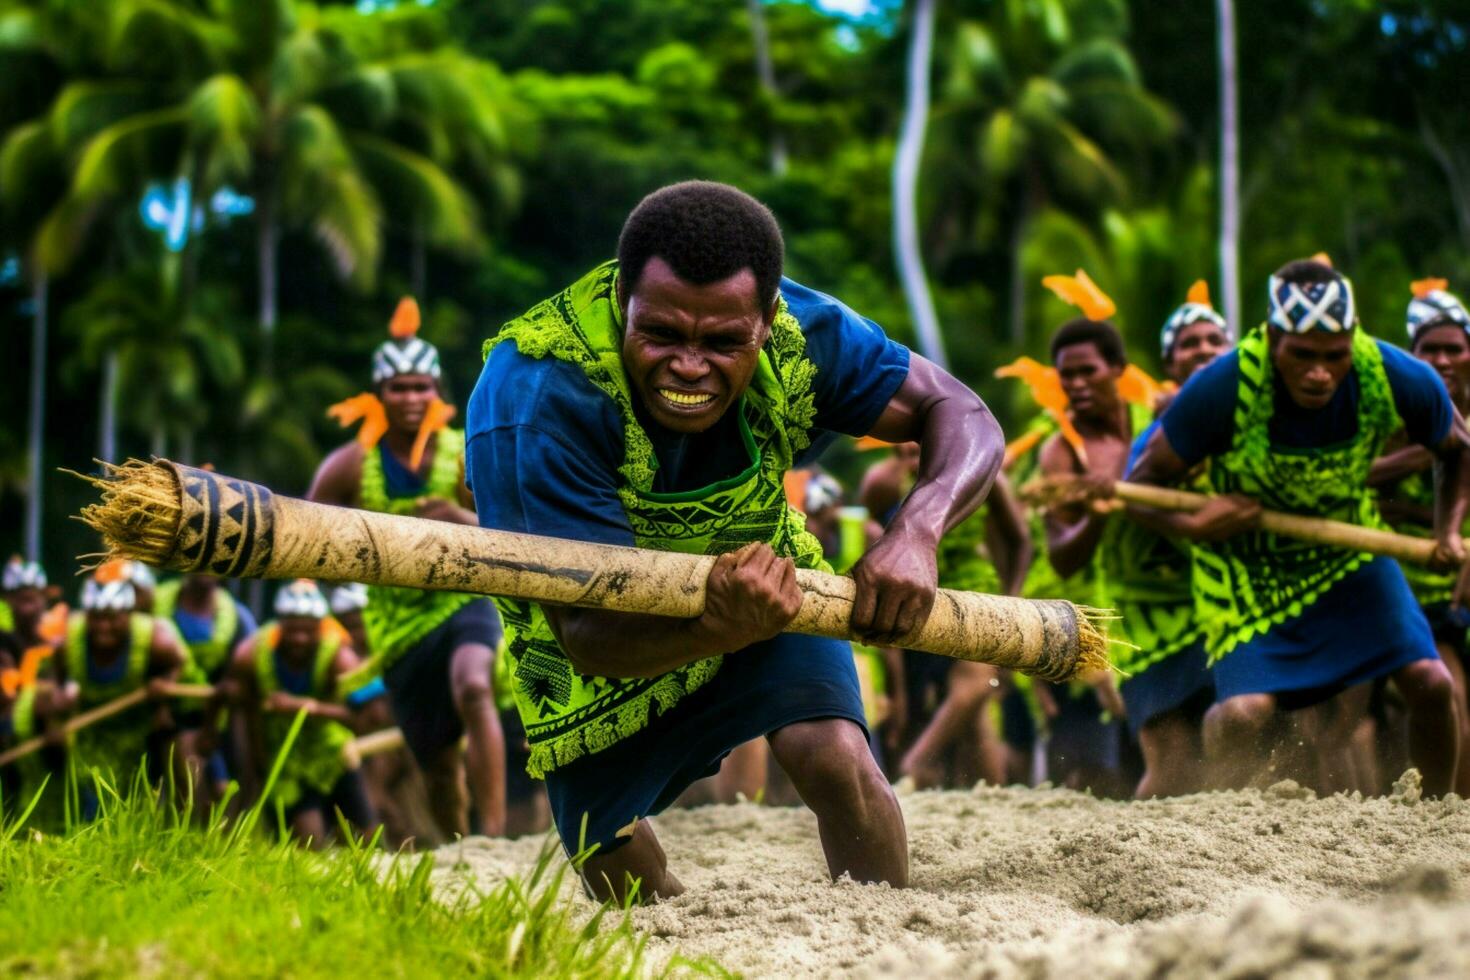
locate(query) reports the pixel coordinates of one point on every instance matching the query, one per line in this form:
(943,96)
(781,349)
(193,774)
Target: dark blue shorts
(1367,626)
(757,691)
(1181,682)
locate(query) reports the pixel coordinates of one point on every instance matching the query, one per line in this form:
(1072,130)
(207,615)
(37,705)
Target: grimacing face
(1312,365)
(1446,348)
(690,351)
(406,398)
(1091,383)
(1195,346)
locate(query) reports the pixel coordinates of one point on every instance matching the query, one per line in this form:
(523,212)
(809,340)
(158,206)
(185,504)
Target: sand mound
(1038,883)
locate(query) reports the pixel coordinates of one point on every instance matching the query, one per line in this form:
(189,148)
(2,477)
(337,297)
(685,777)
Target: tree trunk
(158,442)
(107,419)
(1016,310)
(418,260)
(766,71)
(905,186)
(1229,167)
(35,501)
(267,241)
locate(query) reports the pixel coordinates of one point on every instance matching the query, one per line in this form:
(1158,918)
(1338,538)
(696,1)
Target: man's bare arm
(1072,531)
(338,479)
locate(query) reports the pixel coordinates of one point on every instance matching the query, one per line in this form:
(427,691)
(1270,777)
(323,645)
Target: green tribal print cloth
(567,714)
(1430,587)
(117,744)
(1249,583)
(396,619)
(315,761)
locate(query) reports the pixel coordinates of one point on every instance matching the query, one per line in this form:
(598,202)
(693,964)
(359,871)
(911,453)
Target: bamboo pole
(102,712)
(187,519)
(373,743)
(1316,530)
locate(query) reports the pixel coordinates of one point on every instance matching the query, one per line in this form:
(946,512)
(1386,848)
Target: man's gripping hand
(896,582)
(751,595)
(1223,517)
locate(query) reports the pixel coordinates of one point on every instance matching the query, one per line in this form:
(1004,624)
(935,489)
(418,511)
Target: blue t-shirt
(543,445)
(1200,422)
(198,629)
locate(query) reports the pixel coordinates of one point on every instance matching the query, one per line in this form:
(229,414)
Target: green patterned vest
(568,714)
(315,761)
(1249,583)
(1430,587)
(117,744)
(210,656)
(1147,582)
(396,619)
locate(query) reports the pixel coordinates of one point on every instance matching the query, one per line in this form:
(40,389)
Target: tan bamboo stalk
(179,517)
(373,743)
(102,712)
(1316,530)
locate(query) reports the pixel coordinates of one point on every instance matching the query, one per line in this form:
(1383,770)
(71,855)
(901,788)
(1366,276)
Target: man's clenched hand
(751,595)
(896,582)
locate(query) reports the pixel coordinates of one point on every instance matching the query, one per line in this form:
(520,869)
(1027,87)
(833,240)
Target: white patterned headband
(21,574)
(1432,304)
(349,597)
(301,598)
(108,596)
(1196,308)
(1304,307)
(405,352)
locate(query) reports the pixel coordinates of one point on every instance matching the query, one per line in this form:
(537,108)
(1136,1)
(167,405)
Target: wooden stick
(1316,530)
(187,519)
(102,712)
(373,743)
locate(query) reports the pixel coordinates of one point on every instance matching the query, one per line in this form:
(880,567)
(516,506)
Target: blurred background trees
(208,208)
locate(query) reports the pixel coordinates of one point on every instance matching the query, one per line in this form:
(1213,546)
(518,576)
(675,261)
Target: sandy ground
(1043,883)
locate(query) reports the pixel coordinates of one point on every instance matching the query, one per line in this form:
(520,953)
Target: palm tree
(1229,165)
(1041,103)
(905,185)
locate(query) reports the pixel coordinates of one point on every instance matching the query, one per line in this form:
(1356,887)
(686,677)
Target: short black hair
(1305,272)
(706,232)
(1084,331)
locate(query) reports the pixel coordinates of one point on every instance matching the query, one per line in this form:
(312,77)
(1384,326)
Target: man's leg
(469,680)
(639,867)
(1450,654)
(743,773)
(969,685)
(444,783)
(1434,735)
(1172,756)
(1236,732)
(858,818)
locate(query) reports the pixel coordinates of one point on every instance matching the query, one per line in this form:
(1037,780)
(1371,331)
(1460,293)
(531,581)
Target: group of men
(678,398)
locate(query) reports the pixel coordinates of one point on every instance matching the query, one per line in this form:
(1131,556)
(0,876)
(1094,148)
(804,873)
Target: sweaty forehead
(661,293)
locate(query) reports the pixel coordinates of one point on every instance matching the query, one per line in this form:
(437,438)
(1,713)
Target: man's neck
(1112,423)
(199,601)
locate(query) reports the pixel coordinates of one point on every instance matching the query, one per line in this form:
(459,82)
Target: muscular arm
(165,659)
(961,447)
(1394,466)
(1007,537)
(1072,531)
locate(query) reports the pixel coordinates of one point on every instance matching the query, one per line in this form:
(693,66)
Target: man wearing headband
(1292,420)
(111,650)
(22,600)
(1166,687)
(660,401)
(296,663)
(434,650)
(1439,335)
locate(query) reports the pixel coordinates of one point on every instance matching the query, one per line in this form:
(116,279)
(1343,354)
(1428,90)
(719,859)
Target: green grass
(141,890)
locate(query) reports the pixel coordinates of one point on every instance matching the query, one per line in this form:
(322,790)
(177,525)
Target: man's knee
(1243,716)
(829,761)
(1426,685)
(469,678)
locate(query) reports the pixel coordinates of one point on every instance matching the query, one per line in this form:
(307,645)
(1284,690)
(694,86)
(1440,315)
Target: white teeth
(680,398)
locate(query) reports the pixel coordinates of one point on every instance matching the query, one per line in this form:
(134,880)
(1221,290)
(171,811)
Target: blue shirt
(543,444)
(198,629)
(1200,422)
